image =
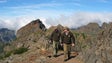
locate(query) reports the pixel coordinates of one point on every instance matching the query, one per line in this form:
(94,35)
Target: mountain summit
(32,27)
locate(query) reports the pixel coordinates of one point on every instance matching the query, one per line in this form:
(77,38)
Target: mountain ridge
(91,43)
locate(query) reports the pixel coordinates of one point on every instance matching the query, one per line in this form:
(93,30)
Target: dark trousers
(55,47)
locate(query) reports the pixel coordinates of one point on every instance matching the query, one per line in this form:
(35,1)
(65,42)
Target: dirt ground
(60,59)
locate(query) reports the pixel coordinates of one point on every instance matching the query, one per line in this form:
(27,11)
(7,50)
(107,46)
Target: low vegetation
(20,50)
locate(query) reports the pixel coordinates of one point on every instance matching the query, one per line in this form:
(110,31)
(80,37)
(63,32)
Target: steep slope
(98,48)
(30,42)
(32,27)
(30,33)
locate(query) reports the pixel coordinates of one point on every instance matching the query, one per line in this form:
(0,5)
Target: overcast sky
(72,13)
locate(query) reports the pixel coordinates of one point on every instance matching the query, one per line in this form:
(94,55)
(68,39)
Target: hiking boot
(65,60)
(55,56)
(49,56)
(69,58)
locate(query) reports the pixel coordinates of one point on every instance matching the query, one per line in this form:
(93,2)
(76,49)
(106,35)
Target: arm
(72,38)
(51,37)
(62,36)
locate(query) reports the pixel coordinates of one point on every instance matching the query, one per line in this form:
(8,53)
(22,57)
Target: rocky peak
(93,25)
(32,27)
(60,27)
(52,28)
(89,28)
(104,25)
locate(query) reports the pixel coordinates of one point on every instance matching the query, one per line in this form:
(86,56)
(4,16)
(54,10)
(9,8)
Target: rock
(100,44)
(90,28)
(99,61)
(32,27)
(33,37)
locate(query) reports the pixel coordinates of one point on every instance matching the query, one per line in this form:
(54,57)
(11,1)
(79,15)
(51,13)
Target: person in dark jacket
(67,39)
(55,38)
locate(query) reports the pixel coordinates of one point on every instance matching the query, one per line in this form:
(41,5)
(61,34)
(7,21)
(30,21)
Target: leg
(65,51)
(69,50)
(54,48)
(57,44)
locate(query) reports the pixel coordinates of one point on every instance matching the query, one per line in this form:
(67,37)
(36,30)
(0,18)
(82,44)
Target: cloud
(43,9)
(3,1)
(40,10)
(37,6)
(15,23)
(43,6)
(74,20)
(79,19)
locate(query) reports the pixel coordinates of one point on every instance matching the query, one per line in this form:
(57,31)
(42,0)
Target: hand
(61,44)
(73,44)
(50,42)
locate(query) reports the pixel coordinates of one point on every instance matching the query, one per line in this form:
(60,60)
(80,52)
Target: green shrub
(76,34)
(84,35)
(16,51)
(20,50)
(8,54)
(1,57)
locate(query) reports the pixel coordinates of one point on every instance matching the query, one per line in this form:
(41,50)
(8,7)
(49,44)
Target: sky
(15,14)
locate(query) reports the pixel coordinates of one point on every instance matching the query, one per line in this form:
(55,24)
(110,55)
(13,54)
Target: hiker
(68,40)
(55,39)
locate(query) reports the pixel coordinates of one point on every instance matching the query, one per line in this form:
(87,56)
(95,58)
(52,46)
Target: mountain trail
(60,59)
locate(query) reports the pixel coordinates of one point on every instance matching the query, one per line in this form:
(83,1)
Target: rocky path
(60,59)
